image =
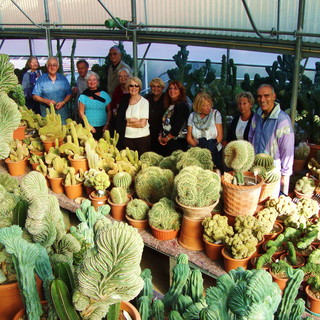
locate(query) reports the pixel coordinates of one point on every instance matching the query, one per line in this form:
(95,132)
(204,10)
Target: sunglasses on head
(133,85)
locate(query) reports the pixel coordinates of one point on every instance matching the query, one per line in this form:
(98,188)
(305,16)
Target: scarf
(92,93)
(203,123)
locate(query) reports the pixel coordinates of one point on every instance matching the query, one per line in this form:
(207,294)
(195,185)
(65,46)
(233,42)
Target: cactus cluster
(196,156)
(239,156)
(97,179)
(196,187)
(216,228)
(122,179)
(163,215)
(302,151)
(151,158)
(305,185)
(137,209)
(71,177)
(18,150)
(264,160)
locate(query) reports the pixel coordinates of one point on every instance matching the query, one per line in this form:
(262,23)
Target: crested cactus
(196,187)
(305,185)
(163,215)
(153,183)
(216,228)
(122,179)
(109,275)
(239,156)
(72,178)
(97,179)
(137,209)
(195,157)
(118,195)
(18,150)
(151,159)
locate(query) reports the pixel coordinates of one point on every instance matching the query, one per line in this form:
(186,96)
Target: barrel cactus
(239,155)
(163,215)
(118,195)
(264,160)
(196,187)
(153,183)
(122,179)
(137,209)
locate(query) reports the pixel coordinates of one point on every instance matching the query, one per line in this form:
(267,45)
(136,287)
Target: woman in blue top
(95,104)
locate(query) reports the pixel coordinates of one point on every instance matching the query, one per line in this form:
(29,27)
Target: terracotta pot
(11,301)
(306,252)
(37,153)
(231,263)
(313,304)
(21,313)
(268,190)
(191,234)
(298,165)
(244,197)
(139,224)
(280,281)
(277,254)
(213,250)
(133,312)
(79,164)
(303,195)
(56,184)
(277,229)
(97,201)
(260,243)
(196,213)
(34,166)
(19,133)
(16,168)
(48,144)
(163,234)
(73,191)
(300,260)
(118,210)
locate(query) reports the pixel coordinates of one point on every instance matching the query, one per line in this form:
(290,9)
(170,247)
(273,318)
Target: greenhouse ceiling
(279,26)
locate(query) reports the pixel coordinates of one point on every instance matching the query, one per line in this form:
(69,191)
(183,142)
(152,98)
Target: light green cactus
(18,150)
(216,228)
(267,217)
(100,181)
(302,151)
(239,156)
(264,160)
(122,179)
(153,183)
(137,209)
(35,158)
(195,157)
(151,159)
(58,166)
(109,275)
(196,187)
(118,195)
(259,171)
(305,185)
(273,175)
(9,183)
(163,215)
(72,178)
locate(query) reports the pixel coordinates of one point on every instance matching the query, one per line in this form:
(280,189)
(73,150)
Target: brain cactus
(137,209)
(195,157)
(118,195)
(153,183)
(163,215)
(239,155)
(151,158)
(263,160)
(196,187)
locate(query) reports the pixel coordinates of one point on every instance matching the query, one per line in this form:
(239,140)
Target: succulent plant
(216,228)
(163,215)
(137,209)
(239,156)
(118,195)
(153,183)
(302,151)
(284,206)
(264,160)
(305,185)
(18,150)
(195,157)
(72,178)
(122,179)
(151,158)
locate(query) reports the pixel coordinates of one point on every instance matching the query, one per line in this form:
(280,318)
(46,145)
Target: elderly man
(116,65)
(53,88)
(271,132)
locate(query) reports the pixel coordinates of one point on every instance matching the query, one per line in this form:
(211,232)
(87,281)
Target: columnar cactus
(196,187)
(137,209)
(239,156)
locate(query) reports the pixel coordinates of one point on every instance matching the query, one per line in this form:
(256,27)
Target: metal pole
(296,80)
(48,35)
(134,39)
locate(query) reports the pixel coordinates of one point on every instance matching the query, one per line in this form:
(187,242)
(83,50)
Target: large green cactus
(109,275)
(163,215)
(153,183)
(196,187)
(239,155)
(137,209)
(195,157)
(151,159)
(216,228)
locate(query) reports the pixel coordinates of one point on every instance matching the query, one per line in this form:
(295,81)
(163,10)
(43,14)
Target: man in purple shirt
(271,132)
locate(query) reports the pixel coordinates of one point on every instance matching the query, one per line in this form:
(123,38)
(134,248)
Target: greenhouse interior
(160,160)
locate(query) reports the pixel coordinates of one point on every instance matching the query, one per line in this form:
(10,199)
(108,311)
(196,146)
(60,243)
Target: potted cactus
(118,199)
(164,220)
(137,213)
(304,188)
(301,154)
(55,173)
(240,188)
(17,160)
(73,182)
(280,272)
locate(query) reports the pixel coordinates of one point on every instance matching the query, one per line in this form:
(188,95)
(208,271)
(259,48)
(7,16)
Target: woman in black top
(240,125)
(174,121)
(156,110)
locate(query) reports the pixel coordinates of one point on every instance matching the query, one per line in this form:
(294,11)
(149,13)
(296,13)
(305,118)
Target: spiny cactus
(151,158)
(153,183)
(216,228)
(195,157)
(137,209)
(259,171)
(122,179)
(273,175)
(302,151)
(118,195)
(239,155)
(263,160)
(196,187)
(305,185)
(163,215)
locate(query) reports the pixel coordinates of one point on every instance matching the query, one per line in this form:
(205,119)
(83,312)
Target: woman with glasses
(132,119)
(95,104)
(156,110)
(174,121)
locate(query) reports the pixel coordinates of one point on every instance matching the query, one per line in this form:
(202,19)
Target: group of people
(162,120)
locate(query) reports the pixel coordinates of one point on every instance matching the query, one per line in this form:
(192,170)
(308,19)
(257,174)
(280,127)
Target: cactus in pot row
(305,186)
(18,150)
(137,209)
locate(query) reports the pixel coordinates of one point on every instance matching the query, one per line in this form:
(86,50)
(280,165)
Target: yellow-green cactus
(18,150)
(58,166)
(305,185)
(216,228)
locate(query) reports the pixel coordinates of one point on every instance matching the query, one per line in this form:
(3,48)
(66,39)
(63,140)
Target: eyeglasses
(52,65)
(133,85)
